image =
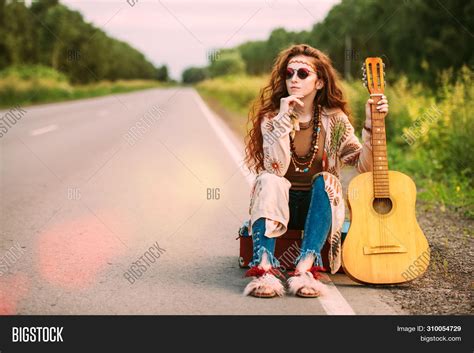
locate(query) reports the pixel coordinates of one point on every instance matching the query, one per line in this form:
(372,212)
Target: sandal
(264,279)
(308,279)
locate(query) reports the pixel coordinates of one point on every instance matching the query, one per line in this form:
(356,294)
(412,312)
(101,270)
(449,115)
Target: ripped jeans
(309,210)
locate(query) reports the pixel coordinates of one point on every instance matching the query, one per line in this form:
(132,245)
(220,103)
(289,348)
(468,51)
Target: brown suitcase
(287,248)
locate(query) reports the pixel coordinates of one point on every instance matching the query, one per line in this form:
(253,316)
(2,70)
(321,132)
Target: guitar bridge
(384,249)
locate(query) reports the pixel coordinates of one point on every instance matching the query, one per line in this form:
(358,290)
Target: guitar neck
(379,152)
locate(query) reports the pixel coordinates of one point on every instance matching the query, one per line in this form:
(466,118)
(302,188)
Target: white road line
(333,303)
(225,138)
(44,130)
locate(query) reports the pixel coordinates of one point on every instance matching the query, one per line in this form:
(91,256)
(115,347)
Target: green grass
(231,97)
(439,158)
(28,85)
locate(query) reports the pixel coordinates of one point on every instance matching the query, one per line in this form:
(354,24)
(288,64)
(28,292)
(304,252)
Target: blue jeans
(309,210)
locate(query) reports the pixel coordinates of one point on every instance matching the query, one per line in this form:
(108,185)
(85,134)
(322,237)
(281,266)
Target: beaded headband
(302,62)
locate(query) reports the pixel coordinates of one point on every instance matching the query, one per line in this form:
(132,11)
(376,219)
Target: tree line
(48,33)
(417,38)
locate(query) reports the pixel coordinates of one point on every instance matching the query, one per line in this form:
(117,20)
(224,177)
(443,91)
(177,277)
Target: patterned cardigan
(341,147)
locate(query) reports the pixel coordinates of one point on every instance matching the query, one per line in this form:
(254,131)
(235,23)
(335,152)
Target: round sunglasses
(302,73)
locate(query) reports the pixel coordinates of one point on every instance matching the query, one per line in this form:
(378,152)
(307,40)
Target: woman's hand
(286,118)
(287,104)
(382,107)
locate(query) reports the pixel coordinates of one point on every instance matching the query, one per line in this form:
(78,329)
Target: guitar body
(385,244)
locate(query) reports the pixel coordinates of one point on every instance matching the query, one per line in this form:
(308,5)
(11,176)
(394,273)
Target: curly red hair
(268,102)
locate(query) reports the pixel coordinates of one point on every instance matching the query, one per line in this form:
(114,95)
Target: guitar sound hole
(382,205)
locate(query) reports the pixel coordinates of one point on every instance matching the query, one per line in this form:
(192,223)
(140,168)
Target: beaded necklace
(304,167)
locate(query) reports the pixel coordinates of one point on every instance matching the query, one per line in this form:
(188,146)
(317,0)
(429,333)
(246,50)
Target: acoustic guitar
(384,244)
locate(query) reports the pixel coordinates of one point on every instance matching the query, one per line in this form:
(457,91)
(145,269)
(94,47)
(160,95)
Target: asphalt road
(90,187)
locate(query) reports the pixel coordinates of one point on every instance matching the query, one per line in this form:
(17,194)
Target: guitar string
(383,237)
(374,174)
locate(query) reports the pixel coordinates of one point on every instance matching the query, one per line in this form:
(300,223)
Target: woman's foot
(306,284)
(265,283)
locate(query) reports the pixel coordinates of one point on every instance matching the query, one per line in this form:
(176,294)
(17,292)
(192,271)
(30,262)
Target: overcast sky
(181,33)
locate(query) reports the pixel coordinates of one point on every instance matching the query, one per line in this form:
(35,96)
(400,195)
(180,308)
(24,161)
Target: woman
(300,139)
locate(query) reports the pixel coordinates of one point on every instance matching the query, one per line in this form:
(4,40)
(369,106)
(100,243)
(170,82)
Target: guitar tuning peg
(383,65)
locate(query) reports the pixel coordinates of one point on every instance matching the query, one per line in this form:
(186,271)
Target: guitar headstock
(374,75)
